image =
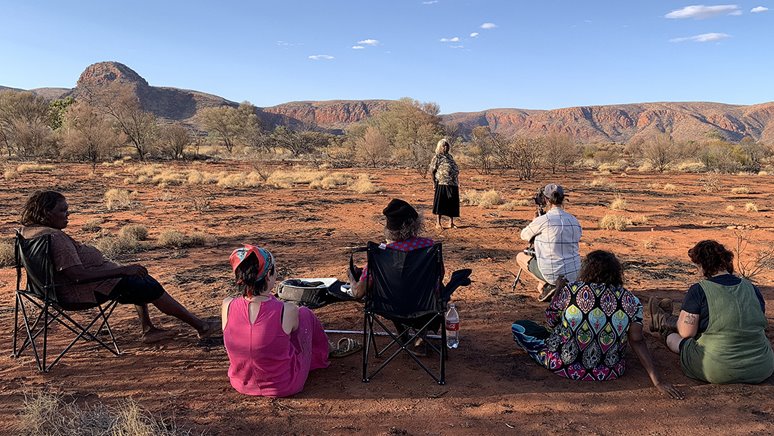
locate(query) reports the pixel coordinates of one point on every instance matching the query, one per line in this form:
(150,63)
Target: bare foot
(155,335)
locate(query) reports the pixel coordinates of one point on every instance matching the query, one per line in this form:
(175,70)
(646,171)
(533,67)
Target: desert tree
(88,135)
(24,128)
(660,151)
(230,125)
(173,140)
(560,151)
(487,149)
(525,155)
(57,110)
(373,148)
(120,103)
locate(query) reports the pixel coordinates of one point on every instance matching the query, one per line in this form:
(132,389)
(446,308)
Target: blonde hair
(439,146)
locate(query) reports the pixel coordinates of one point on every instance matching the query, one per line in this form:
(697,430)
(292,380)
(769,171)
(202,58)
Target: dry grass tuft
(50,414)
(364,185)
(602,183)
(175,239)
(138,232)
(710,183)
(6,253)
(751,207)
(114,247)
(691,167)
(638,220)
(515,204)
(649,244)
(485,199)
(619,203)
(33,166)
(740,190)
(92,226)
(331,181)
(286,179)
(614,222)
(655,186)
(118,199)
(668,187)
(730,208)
(10,173)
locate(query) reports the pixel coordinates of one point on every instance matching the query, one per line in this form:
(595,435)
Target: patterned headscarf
(265,259)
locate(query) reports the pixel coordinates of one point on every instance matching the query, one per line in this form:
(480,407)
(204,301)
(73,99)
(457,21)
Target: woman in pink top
(271,345)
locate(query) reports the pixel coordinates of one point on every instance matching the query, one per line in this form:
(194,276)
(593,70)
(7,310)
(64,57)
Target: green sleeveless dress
(734,348)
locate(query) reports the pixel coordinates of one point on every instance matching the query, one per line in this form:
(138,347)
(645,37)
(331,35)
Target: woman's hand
(668,389)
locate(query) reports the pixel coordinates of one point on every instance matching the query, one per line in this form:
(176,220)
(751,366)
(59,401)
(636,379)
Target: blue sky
(465,55)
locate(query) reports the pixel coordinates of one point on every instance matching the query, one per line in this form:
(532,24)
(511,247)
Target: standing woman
(445,177)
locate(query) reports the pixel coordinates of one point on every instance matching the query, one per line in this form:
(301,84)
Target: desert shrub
(484,199)
(515,204)
(364,185)
(602,183)
(138,232)
(116,246)
(200,203)
(331,181)
(6,253)
(92,226)
(10,173)
(655,186)
(691,167)
(763,173)
(118,199)
(751,207)
(49,414)
(614,222)
(750,266)
(615,166)
(638,219)
(740,190)
(710,183)
(33,166)
(730,208)
(176,239)
(649,244)
(619,203)
(645,167)
(668,187)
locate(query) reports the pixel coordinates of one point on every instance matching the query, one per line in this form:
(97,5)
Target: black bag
(311,294)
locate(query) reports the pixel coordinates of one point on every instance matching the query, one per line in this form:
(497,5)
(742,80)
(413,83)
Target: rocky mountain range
(587,124)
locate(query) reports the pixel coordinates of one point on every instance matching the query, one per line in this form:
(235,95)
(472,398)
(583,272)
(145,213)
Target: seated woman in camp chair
(401,232)
(592,321)
(720,332)
(46,212)
(271,345)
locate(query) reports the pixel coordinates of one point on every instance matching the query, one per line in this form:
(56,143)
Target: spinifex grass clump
(614,222)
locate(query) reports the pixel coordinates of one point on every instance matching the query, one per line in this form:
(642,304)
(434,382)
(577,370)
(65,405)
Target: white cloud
(704,37)
(371,42)
(288,44)
(474,35)
(321,57)
(357,47)
(700,12)
(455,39)
(457,46)
(431,2)
(758,9)
(488,26)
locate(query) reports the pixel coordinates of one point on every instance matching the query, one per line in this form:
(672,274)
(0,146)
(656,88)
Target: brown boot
(666,305)
(661,322)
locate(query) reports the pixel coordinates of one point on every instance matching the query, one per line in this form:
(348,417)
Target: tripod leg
(517,280)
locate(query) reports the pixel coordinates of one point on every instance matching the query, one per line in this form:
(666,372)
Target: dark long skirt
(446,201)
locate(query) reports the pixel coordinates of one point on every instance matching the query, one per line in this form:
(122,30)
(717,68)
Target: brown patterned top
(445,170)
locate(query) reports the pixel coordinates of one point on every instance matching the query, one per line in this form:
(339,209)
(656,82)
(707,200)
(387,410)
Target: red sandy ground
(492,388)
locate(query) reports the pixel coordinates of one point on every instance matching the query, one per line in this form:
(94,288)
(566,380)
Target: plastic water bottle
(452,327)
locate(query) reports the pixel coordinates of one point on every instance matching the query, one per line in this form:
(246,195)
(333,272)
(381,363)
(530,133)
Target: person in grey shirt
(556,235)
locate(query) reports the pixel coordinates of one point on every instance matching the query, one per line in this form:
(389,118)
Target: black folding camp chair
(40,295)
(405,288)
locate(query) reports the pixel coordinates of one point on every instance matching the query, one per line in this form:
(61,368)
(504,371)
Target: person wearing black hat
(401,232)
(556,236)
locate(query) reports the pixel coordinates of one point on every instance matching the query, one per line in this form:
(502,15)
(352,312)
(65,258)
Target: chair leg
(45,336)
(366,347)
(15,324)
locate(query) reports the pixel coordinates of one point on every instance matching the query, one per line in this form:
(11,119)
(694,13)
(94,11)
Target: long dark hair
(246,274)
(712,256)
(37,207)
(601,266)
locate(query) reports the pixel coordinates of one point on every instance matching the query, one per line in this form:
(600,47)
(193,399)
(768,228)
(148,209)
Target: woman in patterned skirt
(591,322)
(445,173)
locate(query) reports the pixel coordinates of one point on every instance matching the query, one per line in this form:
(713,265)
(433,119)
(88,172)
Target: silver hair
(439,146)
(410,229)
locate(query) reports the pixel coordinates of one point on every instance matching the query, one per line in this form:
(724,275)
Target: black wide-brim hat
(398,212)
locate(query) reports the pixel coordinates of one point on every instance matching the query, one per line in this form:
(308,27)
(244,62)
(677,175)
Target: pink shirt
(266,361)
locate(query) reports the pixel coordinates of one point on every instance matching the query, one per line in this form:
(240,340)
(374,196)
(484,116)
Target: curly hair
(37,207)
(712,257)
(411,228)
(601,266)
(246,274)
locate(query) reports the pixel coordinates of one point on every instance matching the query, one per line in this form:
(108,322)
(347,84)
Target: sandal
(345,347)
